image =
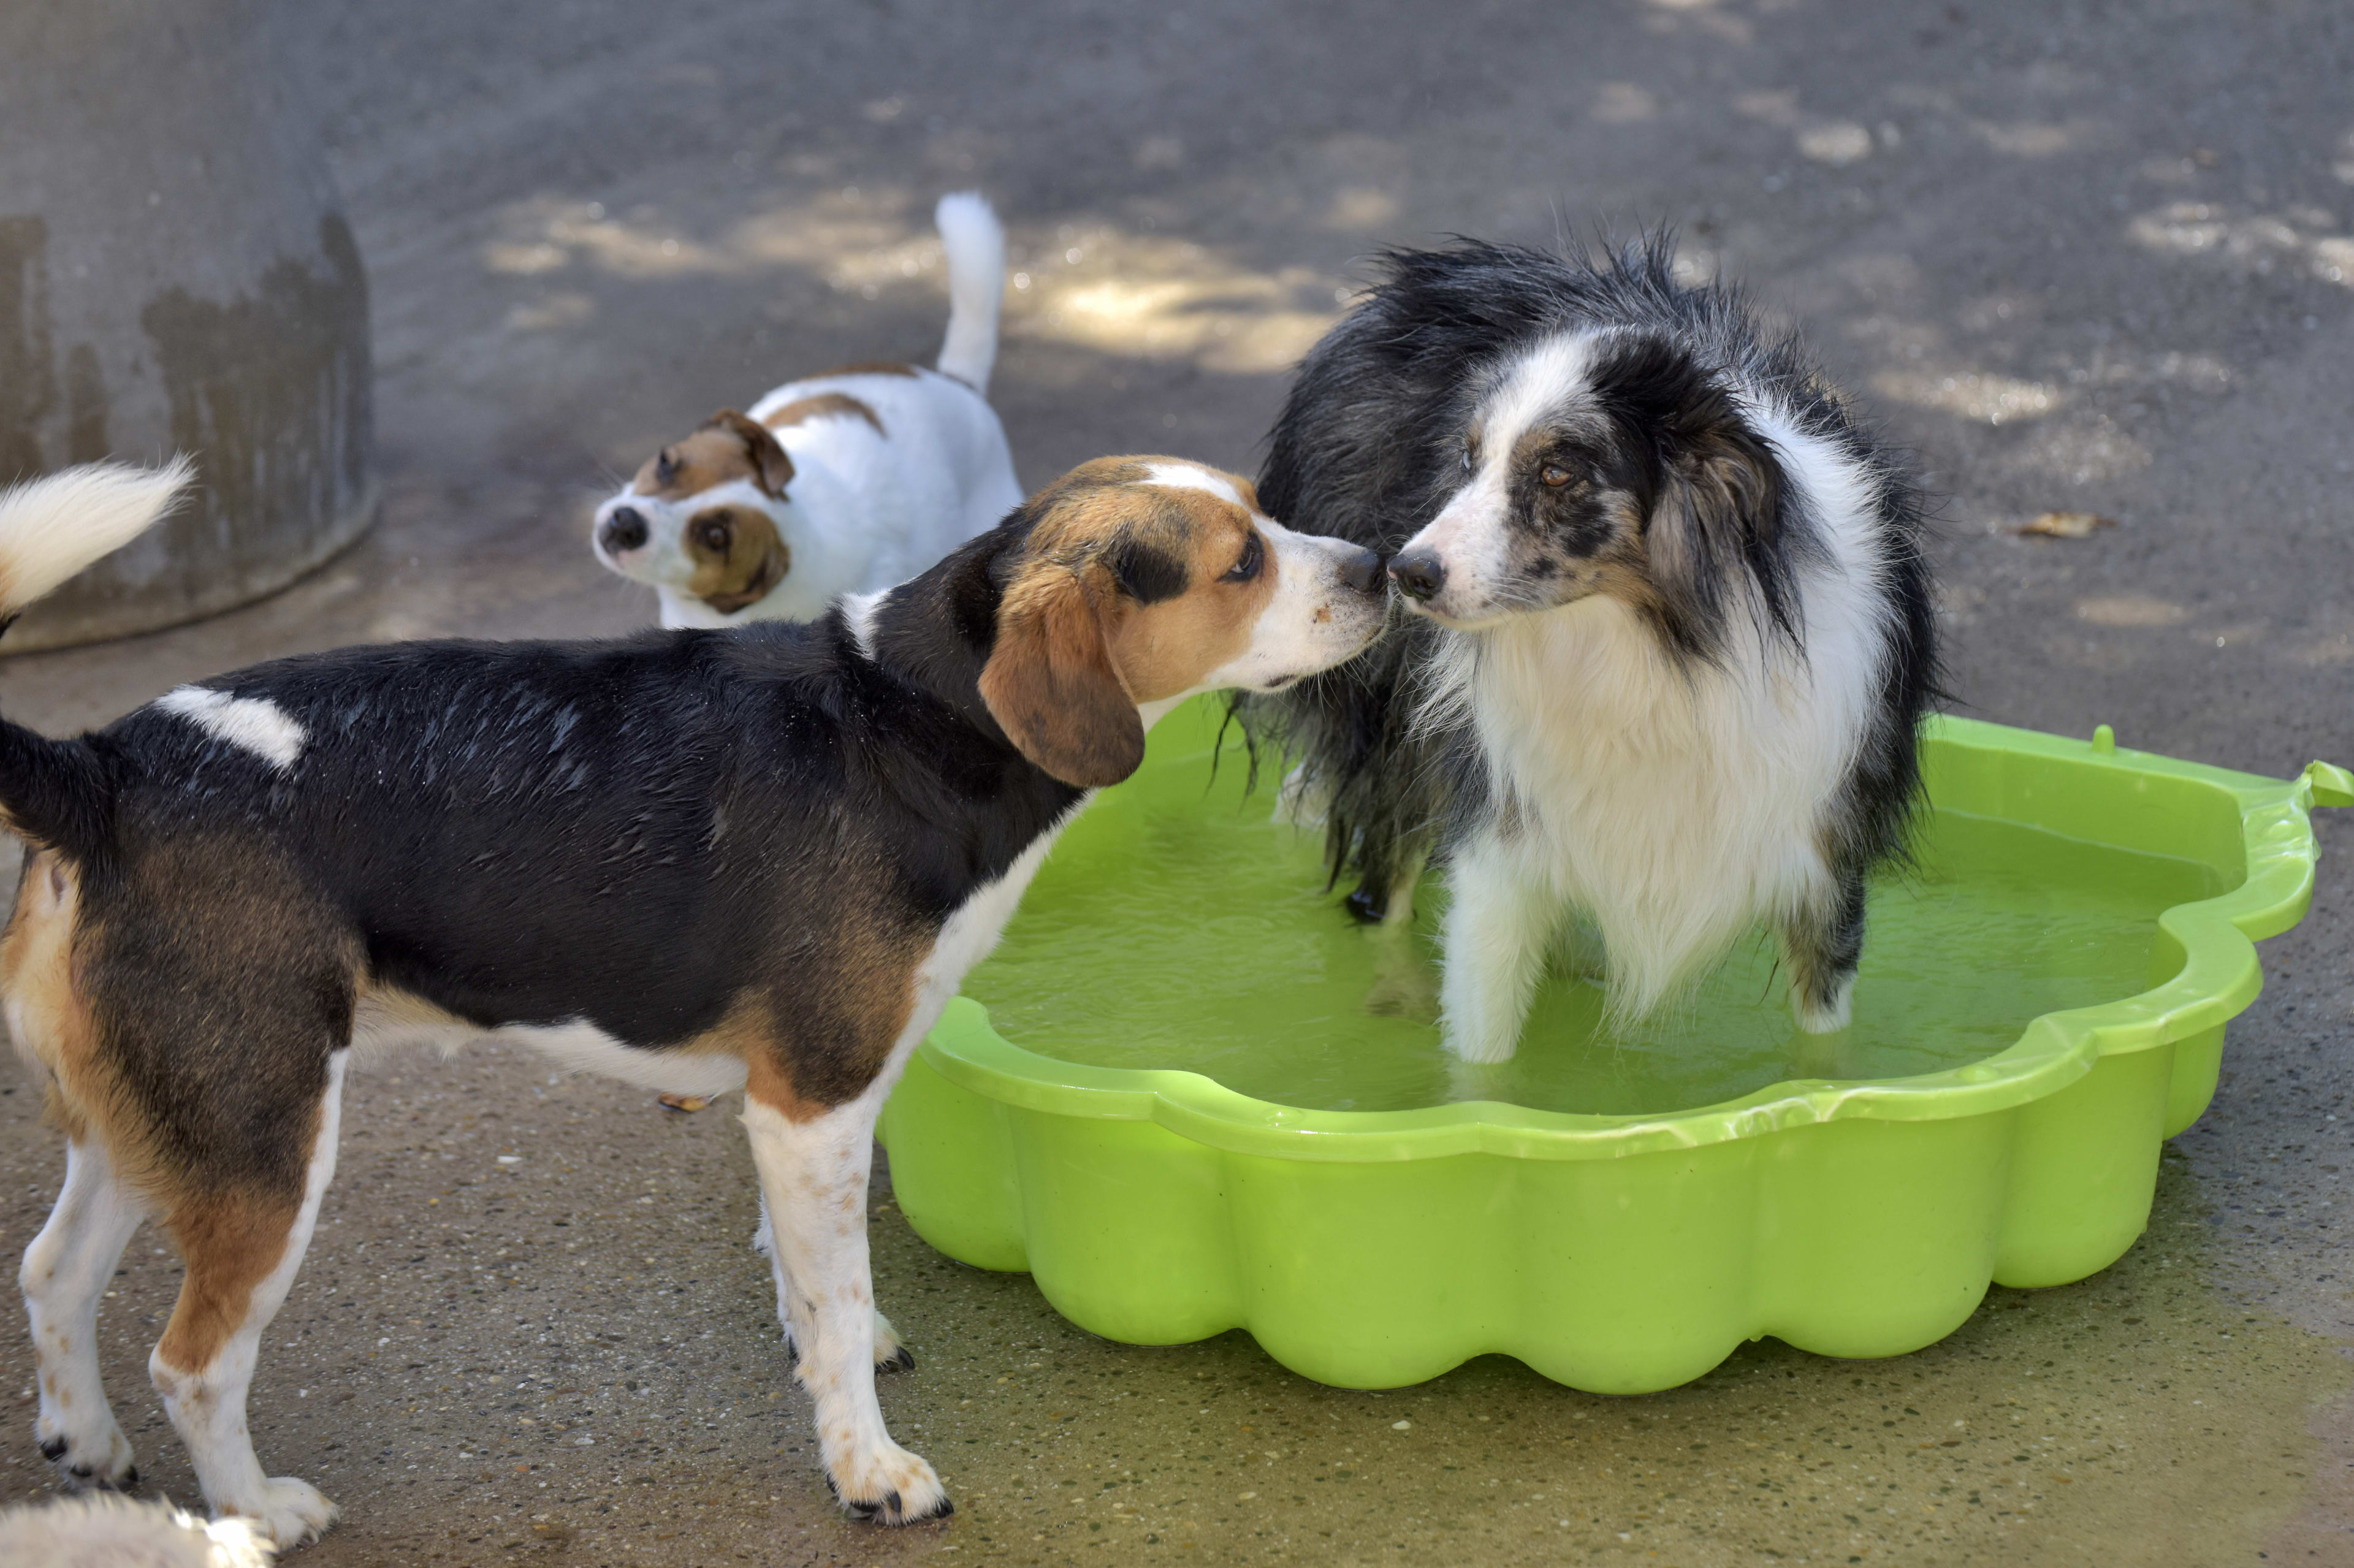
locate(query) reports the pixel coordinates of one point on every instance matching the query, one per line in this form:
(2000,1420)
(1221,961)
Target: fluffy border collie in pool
(1670,639)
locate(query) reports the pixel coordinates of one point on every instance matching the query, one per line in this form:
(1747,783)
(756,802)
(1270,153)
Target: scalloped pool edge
(1622,1254)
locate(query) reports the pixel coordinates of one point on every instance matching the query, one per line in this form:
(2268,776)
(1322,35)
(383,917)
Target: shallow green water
(1176,926)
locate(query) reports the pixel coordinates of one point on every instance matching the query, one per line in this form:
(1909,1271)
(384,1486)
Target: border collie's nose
(624,529)
(1419,575)
(1362,572)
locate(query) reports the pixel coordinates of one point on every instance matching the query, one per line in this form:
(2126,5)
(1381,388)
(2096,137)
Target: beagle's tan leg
(65,1273)
(813,1190)
(242,1255)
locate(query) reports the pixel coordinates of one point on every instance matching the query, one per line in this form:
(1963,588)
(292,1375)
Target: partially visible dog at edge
(697,860)
(845,482)
(98,1530)
(1671,638)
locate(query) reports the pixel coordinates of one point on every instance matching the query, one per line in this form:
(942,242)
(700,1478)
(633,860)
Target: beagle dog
(820,826)
(844,483)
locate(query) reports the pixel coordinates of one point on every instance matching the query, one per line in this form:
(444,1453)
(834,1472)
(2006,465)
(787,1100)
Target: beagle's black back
(622,833)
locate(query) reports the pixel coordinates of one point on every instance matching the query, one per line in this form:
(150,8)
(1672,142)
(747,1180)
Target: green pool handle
(2330,784)
(2327,784)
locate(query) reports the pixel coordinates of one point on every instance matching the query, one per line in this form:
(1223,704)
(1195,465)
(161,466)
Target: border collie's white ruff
(1673,644)
(846,482)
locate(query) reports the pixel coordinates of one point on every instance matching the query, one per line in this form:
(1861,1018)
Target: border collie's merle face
(1600,463)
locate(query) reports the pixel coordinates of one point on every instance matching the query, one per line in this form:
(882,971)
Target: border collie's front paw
(887,1484)
(101,1461)
(1828,1015)
(289,1513)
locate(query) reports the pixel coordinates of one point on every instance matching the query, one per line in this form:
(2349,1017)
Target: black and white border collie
(1671,636)
(699,861)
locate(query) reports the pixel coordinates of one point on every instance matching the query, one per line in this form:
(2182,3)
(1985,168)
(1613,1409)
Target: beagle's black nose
(1362,572)
(1419,574)
(624,529)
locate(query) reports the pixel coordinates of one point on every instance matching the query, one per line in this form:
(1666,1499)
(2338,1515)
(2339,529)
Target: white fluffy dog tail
(975,243)
(102,1530)
(53,526)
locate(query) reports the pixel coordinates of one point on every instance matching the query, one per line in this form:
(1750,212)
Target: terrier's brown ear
(1051,686)
(769,460)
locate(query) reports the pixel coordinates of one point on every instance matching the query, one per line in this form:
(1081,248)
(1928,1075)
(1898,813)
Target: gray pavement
(2078,256)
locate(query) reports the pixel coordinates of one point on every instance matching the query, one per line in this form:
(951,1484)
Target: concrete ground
(2079,256)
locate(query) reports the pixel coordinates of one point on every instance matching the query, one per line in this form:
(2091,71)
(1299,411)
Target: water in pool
(1177,925)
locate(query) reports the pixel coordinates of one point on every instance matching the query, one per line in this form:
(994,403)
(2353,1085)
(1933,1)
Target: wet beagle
(842,482)
(698,861)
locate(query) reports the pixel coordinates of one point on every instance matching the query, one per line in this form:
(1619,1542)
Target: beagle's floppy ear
(769,460)
(1051,686)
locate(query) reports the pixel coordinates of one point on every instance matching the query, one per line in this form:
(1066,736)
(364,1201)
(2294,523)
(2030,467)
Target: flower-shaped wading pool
(1187,1094)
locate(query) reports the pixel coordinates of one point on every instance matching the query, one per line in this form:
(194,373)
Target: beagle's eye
(1553,475)
(1247,566)
(712,534)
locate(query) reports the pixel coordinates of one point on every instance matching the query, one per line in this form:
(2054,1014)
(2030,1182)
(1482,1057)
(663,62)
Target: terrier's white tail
(53,526)
(975,243)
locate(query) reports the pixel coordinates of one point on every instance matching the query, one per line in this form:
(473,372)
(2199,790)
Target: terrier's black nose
(1419,574)
(625,529)
(1362,572)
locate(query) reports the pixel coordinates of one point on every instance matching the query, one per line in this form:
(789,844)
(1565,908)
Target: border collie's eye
(1553,475)
(712,534)
(1466,459)
(1254,556)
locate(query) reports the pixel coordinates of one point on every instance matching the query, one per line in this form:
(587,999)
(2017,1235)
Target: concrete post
(177,274)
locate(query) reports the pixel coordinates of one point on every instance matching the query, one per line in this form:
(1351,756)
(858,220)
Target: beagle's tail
(975,243)
(57,791)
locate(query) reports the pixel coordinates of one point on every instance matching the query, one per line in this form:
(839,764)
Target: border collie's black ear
(1717,509)
(768,459)
(1051,686)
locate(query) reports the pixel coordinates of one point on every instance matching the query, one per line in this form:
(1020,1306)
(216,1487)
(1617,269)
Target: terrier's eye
(665,468)
(1553,475)
(711,532)
(1253,556)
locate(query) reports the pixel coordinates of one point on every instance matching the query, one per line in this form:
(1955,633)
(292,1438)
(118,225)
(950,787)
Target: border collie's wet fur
(1672,636)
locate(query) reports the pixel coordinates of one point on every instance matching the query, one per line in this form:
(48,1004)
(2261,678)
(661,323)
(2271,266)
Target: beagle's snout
(1362,573)
(1419,575)
(623,529)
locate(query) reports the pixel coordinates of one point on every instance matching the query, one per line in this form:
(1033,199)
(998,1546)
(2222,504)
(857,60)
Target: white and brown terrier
(818,827)
(844,483)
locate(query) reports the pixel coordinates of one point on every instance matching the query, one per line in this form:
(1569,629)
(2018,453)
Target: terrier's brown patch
(868,368)
(738,556)
(727,446)
(823,405)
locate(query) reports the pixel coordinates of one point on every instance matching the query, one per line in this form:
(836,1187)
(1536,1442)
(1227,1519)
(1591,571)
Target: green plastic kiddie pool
(1187,1094)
